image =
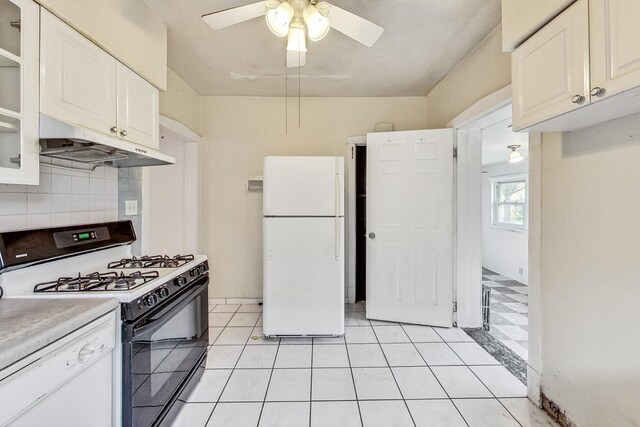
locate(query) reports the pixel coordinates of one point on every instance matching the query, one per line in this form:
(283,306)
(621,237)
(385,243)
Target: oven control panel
(163,292)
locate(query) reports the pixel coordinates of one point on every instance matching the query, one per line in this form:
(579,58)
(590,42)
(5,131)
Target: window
(510,202)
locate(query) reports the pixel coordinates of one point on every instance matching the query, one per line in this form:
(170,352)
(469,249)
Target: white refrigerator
(303,272)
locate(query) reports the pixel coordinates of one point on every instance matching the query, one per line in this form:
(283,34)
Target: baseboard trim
(556,413)
(234,301)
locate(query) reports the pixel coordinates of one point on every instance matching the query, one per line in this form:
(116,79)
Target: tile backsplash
(64,197)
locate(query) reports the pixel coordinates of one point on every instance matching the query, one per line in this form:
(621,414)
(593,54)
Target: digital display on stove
(86,235)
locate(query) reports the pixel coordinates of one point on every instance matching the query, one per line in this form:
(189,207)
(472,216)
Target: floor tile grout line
(230,374)
(393,375)
(493,394)
(266,392)
(482,382)
(434,375)
(228,379)
(353,380)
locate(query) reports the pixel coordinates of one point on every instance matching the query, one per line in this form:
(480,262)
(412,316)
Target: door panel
(138,109)
(410,226)
(77,78)
(615,46)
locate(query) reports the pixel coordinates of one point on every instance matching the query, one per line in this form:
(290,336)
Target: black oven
(163,356)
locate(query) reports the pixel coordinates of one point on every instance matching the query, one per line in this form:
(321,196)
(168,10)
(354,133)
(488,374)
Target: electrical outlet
(131,207)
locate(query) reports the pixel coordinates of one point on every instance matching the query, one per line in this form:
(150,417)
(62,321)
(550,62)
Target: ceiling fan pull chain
(286,91)
(299,86)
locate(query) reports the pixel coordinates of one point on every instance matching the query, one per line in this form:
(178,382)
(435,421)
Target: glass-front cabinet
(19,91)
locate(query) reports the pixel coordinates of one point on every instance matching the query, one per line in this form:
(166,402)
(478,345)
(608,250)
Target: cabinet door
(138,109)
(19,32)
(615,46)
(550,71)
(77,78)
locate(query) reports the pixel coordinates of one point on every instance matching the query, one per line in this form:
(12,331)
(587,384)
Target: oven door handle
(163,316)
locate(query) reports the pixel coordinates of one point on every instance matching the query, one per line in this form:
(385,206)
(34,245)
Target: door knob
(372,235)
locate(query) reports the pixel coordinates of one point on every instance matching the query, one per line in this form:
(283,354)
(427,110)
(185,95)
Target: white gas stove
(163,304)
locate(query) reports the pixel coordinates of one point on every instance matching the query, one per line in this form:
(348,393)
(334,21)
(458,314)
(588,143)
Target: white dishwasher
(69,383)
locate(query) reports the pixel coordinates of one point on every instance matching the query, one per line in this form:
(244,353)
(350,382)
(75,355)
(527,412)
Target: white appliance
(303,283)
(46,387)
(163,325)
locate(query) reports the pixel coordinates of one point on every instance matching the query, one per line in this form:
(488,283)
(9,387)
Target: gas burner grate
(111,281)
(154,261)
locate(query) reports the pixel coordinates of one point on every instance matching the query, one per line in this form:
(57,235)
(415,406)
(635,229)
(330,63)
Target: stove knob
(179,281)
(151,300)
(164,292)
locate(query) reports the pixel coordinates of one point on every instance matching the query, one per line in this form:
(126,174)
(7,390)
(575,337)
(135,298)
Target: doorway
(361,222)
(505,240)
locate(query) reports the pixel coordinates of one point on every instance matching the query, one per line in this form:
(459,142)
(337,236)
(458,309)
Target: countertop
(29,324)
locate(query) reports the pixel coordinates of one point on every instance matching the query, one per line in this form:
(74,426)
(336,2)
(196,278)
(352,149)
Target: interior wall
(172,200)
(484,71)
(236,133)
(180,102)
(503,251)
(590,271)
(113,25)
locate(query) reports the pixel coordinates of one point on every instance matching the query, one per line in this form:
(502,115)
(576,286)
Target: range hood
(68,142)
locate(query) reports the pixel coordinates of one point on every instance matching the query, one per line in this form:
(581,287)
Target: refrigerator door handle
(337,190)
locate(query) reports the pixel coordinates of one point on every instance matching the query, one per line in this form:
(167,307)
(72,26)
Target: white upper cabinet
(138,114)
(615,46)
(83,85)
(19,26)
(550,71)
(78,79)
(580,69)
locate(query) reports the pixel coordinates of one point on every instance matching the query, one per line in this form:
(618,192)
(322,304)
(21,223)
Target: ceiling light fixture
(315,17)
(297,40)
(279,18)
(515,156)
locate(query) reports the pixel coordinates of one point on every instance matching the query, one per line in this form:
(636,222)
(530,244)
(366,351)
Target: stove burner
(123,283)
(111,281)
(154,261)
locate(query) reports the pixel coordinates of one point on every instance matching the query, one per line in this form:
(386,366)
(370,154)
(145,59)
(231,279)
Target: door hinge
(455,306)
(455,152)
(353,149)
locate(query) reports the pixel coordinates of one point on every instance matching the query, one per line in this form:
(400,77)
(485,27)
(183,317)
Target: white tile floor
(379,374)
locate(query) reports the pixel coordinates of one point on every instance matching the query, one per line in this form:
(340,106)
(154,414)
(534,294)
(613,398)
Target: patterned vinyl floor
(509,310)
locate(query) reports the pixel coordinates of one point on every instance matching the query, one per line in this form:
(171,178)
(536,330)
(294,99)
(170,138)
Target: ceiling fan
(297,20)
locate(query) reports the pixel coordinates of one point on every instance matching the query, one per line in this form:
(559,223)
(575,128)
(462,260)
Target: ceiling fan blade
(296,59)
(359,29)
(236,15)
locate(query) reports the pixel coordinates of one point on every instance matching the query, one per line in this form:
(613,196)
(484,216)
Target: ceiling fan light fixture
(297,40)
(515,156)
(318,25)
(279,18)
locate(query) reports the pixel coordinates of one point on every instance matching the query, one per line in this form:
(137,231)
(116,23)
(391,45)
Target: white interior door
(410,226)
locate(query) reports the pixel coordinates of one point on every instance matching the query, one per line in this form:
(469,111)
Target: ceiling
(495,139)
(422,42)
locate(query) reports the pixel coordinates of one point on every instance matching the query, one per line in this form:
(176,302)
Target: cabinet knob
(114,130)
(577,99)
(123,133)
(597,91)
